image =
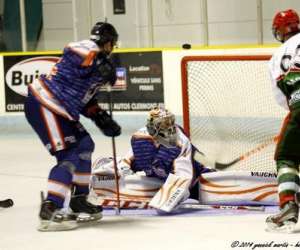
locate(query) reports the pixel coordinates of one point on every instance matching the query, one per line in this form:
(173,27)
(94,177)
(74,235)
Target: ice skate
(285,220)
(54,219)
(83,211)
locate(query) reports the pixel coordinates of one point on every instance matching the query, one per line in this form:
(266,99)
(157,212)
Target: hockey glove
(105,166)
(106,124)
(108,72)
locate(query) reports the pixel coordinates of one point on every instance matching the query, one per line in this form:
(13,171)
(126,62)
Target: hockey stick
(132,203)
(6,203)
(118,211)
(221,166)
(225,207)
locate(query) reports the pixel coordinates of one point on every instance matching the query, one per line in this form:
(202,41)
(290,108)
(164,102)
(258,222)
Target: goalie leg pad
(135,190)
(238,188)
(172,192)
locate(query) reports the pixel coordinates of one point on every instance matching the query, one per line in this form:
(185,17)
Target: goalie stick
(222,207)
(221,166)
(6,203)
(131,204)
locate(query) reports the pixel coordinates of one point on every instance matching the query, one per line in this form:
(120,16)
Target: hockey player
(53,107)
(285,74)
(163,153)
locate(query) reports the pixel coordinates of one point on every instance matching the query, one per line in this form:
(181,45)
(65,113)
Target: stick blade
(222,166)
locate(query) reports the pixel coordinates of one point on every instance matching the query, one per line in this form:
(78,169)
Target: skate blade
(52,226)
(288,227)
(86,218)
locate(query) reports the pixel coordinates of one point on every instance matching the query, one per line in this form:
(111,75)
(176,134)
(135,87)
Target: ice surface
(24,166)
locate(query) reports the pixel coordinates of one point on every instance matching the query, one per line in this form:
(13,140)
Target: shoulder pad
(142,133)
(84,48)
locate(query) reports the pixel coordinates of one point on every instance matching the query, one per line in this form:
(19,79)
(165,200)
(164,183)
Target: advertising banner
(139,85)
(19,71)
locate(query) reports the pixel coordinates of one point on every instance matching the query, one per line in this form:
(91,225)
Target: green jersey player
(285,74)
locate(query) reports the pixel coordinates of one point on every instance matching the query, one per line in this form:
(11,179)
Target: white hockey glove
(105,166)
(124,168)
(174,191)
(204,160)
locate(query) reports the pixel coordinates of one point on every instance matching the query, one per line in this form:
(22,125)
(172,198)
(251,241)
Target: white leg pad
(172,192)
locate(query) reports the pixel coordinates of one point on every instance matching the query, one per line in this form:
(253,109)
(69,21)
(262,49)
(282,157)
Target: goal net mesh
(229,109)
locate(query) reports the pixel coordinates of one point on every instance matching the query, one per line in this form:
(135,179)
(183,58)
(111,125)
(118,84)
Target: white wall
(57,24)
(232,21)
(174,21)
(273,6)
(2,93)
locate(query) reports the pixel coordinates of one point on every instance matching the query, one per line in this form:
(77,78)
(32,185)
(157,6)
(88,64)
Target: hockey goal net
(229,110)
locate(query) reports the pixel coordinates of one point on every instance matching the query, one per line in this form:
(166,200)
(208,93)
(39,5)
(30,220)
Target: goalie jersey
(159,161)
(72,82)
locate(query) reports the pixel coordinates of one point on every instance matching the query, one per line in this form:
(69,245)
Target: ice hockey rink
(24,168)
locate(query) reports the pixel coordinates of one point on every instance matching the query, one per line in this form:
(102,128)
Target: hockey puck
(6,203)
(186,46)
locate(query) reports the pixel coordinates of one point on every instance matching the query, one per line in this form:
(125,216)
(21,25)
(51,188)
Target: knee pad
(68,165)
(86,148)
(67,159)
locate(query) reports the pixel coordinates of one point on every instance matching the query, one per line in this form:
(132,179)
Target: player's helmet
(103,32)
(285,23)
(161,125)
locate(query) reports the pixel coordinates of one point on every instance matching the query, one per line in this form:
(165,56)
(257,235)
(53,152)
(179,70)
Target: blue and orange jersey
(73,81)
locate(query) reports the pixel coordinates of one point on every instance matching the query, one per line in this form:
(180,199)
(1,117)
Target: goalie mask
(161,125)
(285,25)
(102,33)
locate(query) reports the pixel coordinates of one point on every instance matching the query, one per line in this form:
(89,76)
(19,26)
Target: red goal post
(229,108)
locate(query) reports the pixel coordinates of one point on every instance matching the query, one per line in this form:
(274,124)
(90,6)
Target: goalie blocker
(218,188)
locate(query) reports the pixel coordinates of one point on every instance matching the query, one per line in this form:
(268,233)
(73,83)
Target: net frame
(186,97)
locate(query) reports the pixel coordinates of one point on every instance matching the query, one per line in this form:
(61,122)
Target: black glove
(107,71)
(106,124)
